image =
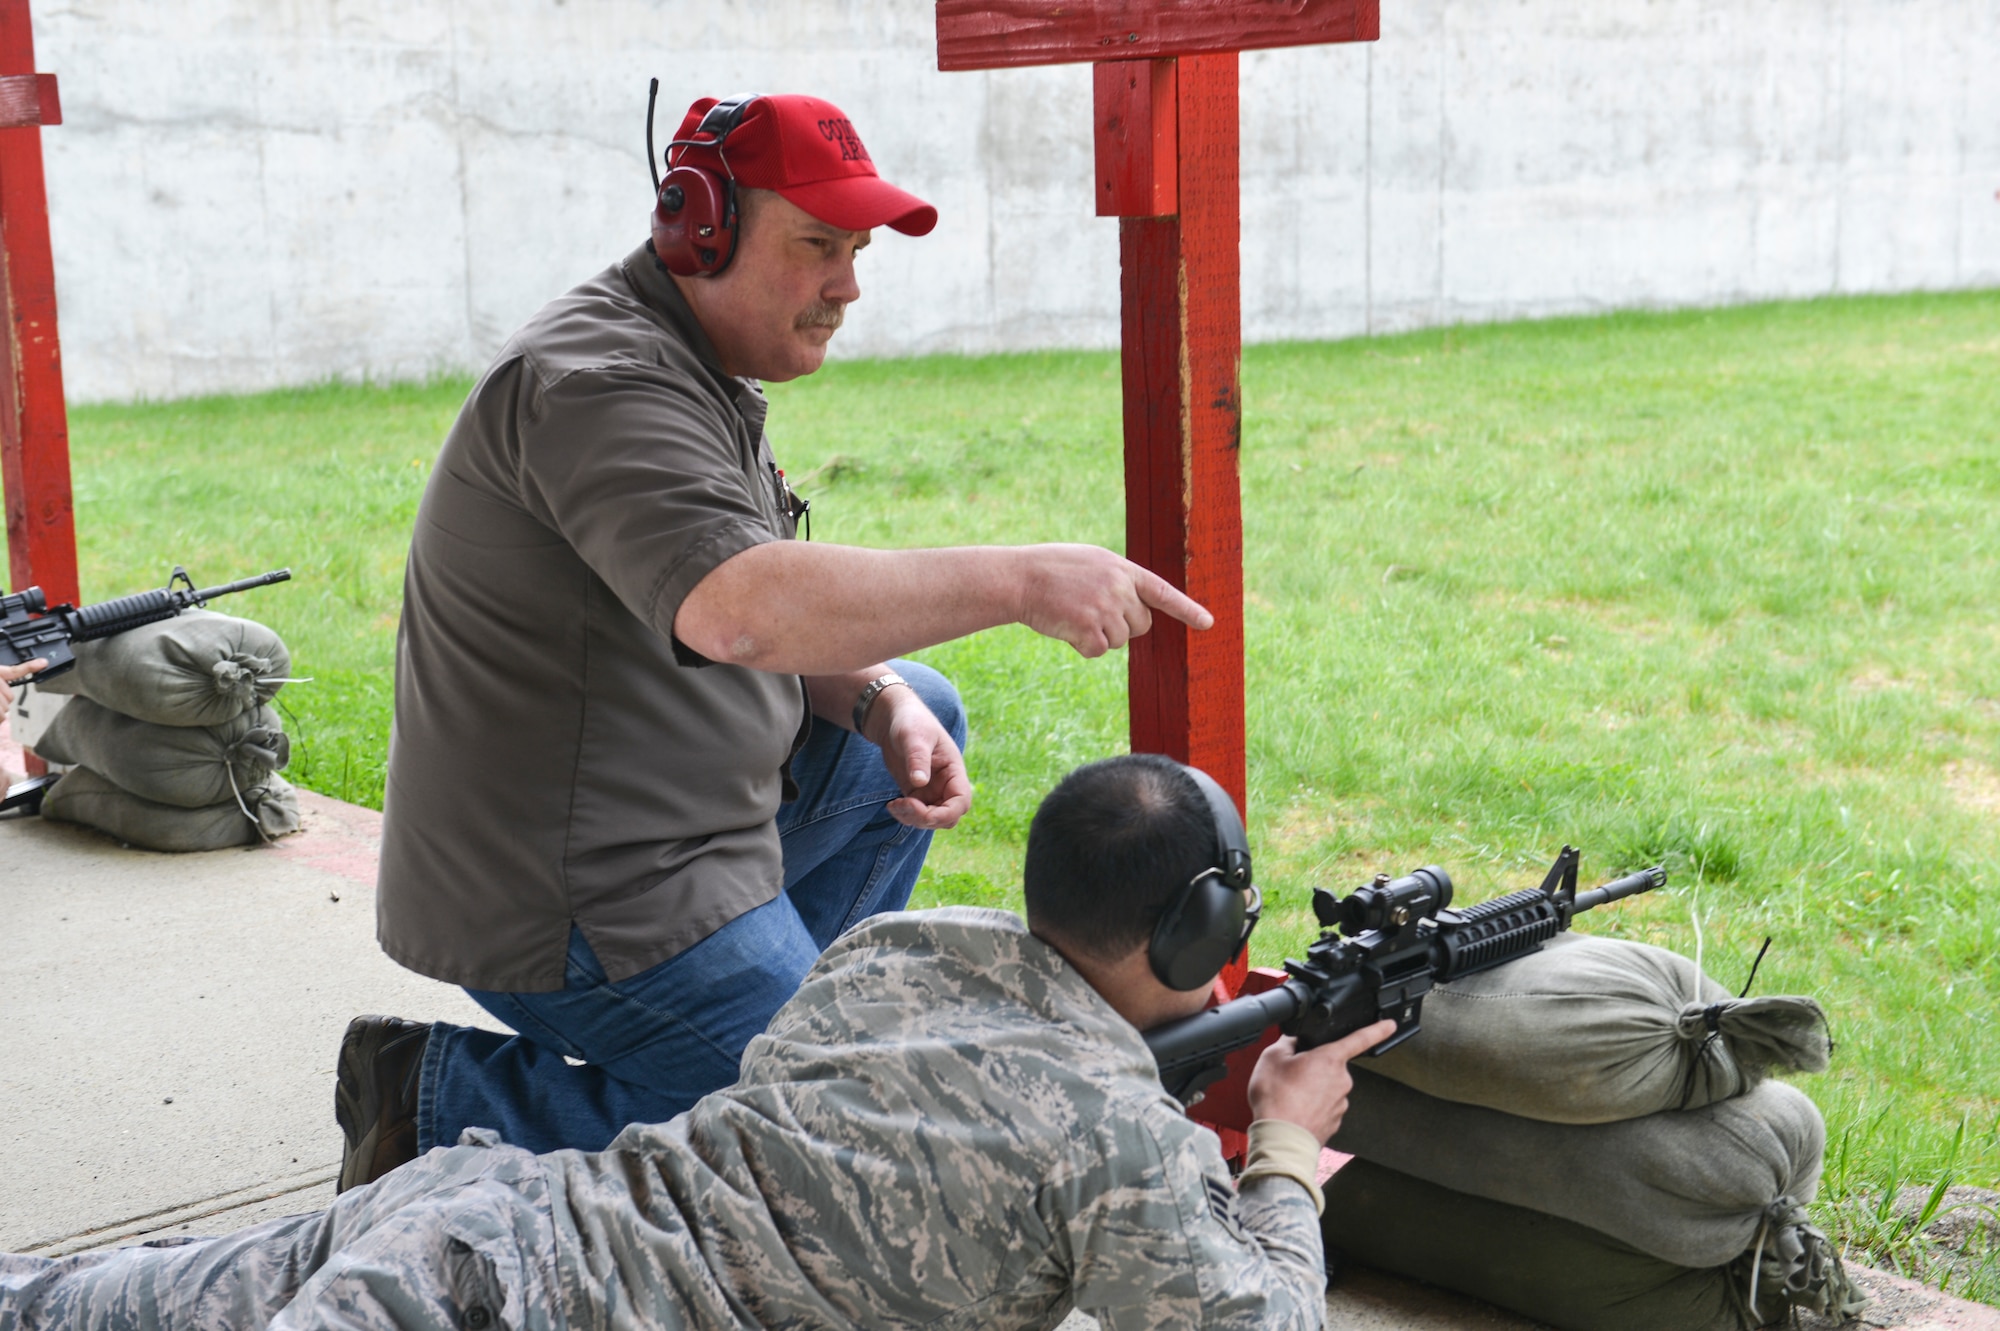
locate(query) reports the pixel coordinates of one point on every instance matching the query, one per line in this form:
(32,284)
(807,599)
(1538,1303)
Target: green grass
(1716,587)
(325,481)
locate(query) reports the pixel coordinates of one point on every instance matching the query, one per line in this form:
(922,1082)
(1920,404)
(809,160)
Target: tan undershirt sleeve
(1283,1150)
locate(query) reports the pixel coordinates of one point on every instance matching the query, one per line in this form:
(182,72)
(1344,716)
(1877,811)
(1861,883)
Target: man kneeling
(954,1123)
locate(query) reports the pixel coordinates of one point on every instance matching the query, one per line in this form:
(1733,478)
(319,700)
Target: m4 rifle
(30,628)
(1381,949)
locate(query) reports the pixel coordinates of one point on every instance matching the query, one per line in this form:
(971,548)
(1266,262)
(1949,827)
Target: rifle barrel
(244,584)
(1629,886)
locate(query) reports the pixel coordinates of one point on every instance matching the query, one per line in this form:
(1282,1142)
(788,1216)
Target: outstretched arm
(809,608)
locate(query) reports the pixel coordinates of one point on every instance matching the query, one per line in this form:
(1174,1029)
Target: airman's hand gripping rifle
(31,628)
(1383,947)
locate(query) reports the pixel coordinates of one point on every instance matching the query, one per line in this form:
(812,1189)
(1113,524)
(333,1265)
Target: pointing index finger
(1162,595)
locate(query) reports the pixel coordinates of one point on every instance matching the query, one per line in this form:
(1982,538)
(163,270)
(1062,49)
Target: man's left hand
(920,754)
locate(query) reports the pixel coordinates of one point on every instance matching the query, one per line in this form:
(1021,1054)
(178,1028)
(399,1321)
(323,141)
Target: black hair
(1110,847)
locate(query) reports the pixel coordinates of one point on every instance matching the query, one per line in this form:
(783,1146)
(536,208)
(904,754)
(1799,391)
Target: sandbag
(83,796)
(1597,1030)
(190,767)
(197,669)
(1567,1275)
(1691,1187)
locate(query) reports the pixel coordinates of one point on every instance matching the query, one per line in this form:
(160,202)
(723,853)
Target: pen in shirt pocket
(798,508)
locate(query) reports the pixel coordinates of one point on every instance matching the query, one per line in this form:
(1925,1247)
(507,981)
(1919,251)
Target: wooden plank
(1138,153)
(1155,465)
(1211,406)
(29,99)
(997,34)
(34,431)
(1181,317)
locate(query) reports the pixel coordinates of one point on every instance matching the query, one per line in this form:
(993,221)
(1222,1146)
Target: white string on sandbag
(1757,1259)
(238,793)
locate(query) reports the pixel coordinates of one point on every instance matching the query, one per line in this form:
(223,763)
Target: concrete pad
(166,1062)
(1908,1306)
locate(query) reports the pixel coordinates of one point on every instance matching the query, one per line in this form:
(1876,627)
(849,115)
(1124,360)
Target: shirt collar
(655,288)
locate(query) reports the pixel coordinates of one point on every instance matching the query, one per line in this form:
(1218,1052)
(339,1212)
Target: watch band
(868,692)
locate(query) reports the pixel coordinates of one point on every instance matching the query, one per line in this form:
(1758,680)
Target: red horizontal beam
(29,99)
(995,34)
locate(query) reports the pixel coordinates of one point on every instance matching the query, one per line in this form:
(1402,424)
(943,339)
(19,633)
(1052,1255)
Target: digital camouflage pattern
(457,1241)
(947,1127)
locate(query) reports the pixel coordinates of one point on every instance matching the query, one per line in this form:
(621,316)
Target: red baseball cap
(806,149)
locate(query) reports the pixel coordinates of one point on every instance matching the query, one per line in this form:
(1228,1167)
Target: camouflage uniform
(459,1241)
(947,1127)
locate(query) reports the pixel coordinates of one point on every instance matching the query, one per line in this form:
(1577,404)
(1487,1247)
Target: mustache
(822,314)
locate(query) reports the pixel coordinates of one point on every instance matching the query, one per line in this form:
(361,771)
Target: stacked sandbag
(1594,1030)
(168,739)
(1550,1269)
(1587,1135)
(196,669)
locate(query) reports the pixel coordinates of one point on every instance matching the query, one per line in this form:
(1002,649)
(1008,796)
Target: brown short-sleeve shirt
(557,757)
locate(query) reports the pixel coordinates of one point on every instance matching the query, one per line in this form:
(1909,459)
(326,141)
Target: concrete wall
(249,193)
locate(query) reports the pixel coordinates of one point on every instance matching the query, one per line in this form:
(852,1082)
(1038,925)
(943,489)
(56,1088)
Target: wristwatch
(868,692)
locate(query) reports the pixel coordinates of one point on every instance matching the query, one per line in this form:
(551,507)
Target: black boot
(375,1096)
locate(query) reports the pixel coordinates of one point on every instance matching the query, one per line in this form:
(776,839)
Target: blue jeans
(595,1056)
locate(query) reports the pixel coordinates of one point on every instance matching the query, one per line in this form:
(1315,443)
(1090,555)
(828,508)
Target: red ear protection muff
(694,209)
(1210,919)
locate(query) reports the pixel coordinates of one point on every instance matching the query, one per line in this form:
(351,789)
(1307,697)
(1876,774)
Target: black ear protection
(694,209)
(1210,919)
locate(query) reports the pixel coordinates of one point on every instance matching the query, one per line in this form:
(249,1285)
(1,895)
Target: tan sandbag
(1692,1187)
(1597,1030)
(190,767)
(82,796)
(197,669)
(1565,1274)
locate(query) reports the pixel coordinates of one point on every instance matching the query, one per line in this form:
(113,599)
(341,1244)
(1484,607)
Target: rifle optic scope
(1385,903)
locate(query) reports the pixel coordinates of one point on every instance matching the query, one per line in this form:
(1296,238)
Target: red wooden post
(34,432)
(1180,332)
(1166,133)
